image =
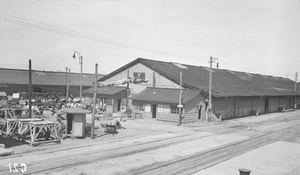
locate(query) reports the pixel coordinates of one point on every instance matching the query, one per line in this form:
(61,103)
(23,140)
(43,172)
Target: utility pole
(68,83)
(210,87)
(180,106)
(66,75)
(153,81)
(94,101)
(80,62)
(30,112)
(296,79)
(127,95)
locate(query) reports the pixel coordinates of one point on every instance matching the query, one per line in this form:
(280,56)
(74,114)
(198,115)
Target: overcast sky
(257,36)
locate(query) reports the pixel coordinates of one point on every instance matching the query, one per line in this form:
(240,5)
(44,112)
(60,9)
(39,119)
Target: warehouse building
(234,94)
(17,80)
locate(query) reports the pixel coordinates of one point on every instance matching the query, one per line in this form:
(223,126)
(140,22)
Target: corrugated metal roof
(18,76)
(164,95)
(108,90)
(225,83)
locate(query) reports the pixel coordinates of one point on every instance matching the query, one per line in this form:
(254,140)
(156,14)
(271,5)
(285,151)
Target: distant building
(17,80)
(234,94)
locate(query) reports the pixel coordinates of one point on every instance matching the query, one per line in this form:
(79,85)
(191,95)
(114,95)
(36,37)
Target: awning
(115,92)
(164,96)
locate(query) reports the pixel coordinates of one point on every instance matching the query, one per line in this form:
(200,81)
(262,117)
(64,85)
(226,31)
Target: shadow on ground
(10,142)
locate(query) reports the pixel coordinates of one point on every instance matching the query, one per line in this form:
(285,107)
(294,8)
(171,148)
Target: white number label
(15,167)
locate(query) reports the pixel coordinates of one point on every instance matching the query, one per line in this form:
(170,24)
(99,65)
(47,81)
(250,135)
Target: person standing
(104,107)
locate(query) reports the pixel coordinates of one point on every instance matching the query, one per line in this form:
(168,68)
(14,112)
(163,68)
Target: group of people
(100,107)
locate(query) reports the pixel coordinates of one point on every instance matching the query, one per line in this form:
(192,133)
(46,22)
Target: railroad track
(103,154)
(183,165)
(193,163)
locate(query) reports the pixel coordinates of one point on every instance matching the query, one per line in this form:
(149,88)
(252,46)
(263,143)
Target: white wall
(137,88)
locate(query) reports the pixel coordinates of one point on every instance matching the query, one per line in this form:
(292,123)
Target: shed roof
(165,95)
(75,111)
(108,92)
(225,83)
(19,76)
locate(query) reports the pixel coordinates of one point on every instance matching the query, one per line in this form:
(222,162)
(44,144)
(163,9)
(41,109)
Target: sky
(258,36)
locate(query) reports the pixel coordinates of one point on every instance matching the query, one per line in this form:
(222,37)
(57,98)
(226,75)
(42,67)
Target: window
(108,101)
(163,108)
(174,109)
(139,107)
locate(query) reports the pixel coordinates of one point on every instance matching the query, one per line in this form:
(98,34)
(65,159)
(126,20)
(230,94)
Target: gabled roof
(225,83)
(19,76)
(165,95)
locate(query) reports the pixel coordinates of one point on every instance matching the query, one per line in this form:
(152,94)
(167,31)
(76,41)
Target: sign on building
(139,75)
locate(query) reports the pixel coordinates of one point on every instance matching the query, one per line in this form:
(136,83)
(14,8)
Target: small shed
(115,93)
(162,103)
(76,121)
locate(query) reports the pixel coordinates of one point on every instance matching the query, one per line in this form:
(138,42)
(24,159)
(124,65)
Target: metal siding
(191,109)
(242,107)
(167,117)
(258,104)
(273,104)
(221,107)
(191,115)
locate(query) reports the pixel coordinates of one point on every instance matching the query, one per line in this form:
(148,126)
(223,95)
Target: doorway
(199,112)
(119,105)
(69,123)
(266,105)
(154,111)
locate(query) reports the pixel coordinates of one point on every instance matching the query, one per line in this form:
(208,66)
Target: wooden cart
(43,132)
(24,127)
(10,127)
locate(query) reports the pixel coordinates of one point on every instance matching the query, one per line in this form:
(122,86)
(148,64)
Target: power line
(54,29)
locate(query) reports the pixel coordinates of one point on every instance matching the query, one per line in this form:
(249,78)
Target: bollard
(244,171)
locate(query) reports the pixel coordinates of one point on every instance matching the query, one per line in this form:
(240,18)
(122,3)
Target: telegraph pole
(210,87)
(296,79)
(94,101)
(153,81)
(67,82)
(180,106)
(66,75)
(30,112)
(80,62)
(127,95)
(68,87)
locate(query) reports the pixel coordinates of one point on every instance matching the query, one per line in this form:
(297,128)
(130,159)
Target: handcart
(112,127)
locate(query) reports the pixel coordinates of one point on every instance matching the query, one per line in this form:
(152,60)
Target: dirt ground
(142,127)
(131,128)
(138,133)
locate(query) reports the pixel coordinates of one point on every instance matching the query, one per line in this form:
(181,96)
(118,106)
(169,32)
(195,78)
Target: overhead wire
(71,33)
(54,29)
